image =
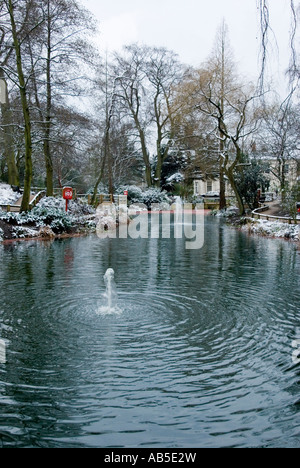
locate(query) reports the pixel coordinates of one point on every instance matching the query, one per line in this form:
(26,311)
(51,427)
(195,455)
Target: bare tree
(6,52)
(233,121)
(15,10)
(147,77)
(221,60)
(265,9)
(279,136)
(164,72)
(132,95)
(56,54)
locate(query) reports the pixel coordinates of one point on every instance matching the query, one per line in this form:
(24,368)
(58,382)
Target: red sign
(68,193)
(126,193)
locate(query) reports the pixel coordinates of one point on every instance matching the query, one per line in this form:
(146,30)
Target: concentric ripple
(196,353)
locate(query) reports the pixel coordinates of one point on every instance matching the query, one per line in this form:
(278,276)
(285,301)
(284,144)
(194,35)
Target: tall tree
(130,76)
(233,121)
(60,48)
(147,77)
(223,56)
(8,144)
(106,156)
(217,92)
(164,72)
(6,51)
(23,87)
(223,69)
(279,136)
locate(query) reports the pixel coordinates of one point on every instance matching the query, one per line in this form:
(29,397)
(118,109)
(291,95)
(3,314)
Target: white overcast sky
(189,27)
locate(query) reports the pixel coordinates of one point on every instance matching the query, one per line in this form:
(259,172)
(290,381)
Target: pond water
(198,355)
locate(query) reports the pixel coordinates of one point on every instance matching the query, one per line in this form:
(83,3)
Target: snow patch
(7,195)
(272,228)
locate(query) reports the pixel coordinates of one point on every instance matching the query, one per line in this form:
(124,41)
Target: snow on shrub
(155,196)
(135,194)
(75,207)
(7,195)
(20,232)
(19,219)
(148,197)
(272,228)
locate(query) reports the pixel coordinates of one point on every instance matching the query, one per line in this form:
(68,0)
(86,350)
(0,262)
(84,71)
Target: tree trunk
(47,153)
(229,173)
(223,202)
(159,163)
(13,173)
(94,197)
(283,184)
(148,172)
(104,160)
(26,113)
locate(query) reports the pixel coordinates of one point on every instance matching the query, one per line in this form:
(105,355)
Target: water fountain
(178,218)
(110,294)
(178,211)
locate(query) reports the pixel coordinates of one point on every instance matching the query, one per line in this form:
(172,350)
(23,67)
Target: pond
(198,355)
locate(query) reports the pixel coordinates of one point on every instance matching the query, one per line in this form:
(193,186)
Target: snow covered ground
(261,227)
(46,220)
(272,228)
(7,195)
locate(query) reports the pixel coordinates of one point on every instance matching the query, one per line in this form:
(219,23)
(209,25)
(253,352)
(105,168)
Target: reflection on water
(201,355)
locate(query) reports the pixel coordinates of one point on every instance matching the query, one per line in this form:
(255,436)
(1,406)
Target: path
(274,212)
(19,202)
(275,209)
(16,207)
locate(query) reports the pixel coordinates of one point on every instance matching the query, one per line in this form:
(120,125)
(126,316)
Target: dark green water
(201,355)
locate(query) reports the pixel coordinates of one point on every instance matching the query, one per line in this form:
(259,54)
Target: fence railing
(36,199)
(16,208)
(10,208)
(57,192)
(260,214)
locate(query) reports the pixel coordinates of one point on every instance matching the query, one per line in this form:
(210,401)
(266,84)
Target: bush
(291,198)
(148,197)
(154,195)
(135,194)
(19,219)
(57,219)
(76,207)
(50,214)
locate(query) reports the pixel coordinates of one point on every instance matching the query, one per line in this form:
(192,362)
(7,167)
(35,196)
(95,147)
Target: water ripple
(197,352)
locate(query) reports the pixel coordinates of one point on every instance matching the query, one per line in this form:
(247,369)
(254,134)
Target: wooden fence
(259,213)
(16,208)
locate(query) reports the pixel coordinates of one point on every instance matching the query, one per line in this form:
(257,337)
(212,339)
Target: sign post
(67,195)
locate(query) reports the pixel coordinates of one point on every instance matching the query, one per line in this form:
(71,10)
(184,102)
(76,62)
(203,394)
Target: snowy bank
(7,195)
(48,220)
(270,228)
(260,227)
